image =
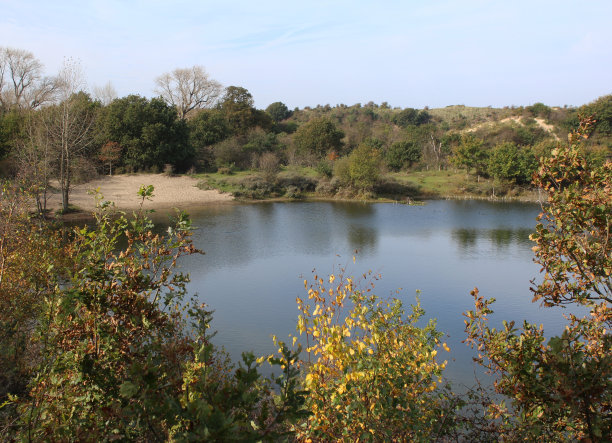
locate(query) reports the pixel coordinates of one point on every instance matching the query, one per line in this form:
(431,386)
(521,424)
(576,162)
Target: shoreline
(181,192)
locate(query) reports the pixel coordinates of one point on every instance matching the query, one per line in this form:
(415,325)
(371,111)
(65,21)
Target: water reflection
(363,239)
(501,239)
(256,253)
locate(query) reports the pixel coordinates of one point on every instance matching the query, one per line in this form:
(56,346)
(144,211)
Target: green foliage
(121,354)
(364,167)
(371,370)
(318,136)
(410,116)
(278,111)
(470,154)
(601,110)
(539,110)
(149,131)
(230,153)
(325,167)
(11,129)
(206,128)
(509,162)
(403,154)
(259,141)
(560,390)
(342,170)
(30,267)
(237,107)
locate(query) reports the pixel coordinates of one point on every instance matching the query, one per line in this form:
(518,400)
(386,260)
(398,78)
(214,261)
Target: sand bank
(170,192)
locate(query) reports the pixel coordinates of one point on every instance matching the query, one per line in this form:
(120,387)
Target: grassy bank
(303,182)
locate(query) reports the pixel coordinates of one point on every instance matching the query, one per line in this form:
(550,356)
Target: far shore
(181,192)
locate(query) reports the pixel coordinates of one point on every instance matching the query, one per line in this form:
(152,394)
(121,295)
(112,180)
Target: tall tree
(188,89)
(22,84)
(238,108)
(105,94)
(36,159)
(69,124)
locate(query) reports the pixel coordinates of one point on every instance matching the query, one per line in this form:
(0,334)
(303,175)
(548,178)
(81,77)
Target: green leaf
(128,389)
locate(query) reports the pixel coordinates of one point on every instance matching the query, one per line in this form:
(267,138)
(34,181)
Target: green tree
(470,154)
(207,127)
(601,110)
(539,110)
(149,131)
(11,130)
(278,111)
(411,117)
(403,154)
(318,136)
(237,107)
(509,162)
(560,389)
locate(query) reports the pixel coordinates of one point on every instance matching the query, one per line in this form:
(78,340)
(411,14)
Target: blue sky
(407,53)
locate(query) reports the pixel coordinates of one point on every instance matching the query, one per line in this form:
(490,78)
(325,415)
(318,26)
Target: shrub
(325,168)
(124,356)
(364,167)
(342,171)
(269,165)
(560,389)
(371,372)
(293,192)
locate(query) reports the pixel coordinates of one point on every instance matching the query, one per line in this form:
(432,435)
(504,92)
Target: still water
(257,256)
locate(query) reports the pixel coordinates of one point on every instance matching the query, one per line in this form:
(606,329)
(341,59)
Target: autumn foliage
(372,373)
(559,389)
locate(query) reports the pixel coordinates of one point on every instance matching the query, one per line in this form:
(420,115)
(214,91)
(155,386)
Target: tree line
(50,128)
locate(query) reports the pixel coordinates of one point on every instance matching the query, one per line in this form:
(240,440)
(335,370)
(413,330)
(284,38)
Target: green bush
(123,355)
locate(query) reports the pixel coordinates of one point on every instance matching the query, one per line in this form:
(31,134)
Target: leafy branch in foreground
(371,371)
(559,390)
(124,355)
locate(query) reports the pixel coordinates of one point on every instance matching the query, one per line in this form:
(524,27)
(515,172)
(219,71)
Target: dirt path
(169,192)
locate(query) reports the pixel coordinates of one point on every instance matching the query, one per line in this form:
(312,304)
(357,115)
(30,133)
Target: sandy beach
(170,192)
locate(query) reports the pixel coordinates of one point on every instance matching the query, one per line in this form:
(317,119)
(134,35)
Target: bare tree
(188,89)
(68,125)
(22,84)
(105,94)
(35,159)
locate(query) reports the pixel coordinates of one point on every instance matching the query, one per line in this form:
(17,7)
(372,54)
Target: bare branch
(188,89)
(22,84)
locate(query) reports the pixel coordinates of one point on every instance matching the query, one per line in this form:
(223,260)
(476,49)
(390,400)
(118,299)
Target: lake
(257,256)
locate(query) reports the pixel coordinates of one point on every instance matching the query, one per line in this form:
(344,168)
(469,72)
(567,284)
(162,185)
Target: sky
(407,53)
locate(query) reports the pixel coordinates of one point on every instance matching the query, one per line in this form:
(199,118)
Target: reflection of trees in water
(502,239)
(364,239)
(522,237)
(465,238)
